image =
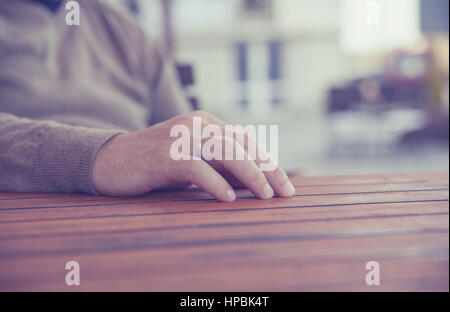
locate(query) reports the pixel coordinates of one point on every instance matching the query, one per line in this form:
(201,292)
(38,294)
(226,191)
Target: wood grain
(320,239)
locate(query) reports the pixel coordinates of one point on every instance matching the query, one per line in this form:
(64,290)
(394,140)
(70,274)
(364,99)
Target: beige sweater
(66,90)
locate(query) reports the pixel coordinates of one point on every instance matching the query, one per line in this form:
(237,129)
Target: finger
(276,177)
(198,172)
(245,170)
(231,179)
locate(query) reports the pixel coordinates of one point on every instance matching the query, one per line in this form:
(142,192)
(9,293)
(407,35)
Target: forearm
(45,156)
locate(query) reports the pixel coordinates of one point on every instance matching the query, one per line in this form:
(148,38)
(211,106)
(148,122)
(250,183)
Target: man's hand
(136,163)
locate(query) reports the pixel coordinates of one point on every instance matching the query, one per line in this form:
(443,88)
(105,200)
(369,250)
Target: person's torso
(88,75)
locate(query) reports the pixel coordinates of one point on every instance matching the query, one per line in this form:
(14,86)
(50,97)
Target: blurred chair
(186,77)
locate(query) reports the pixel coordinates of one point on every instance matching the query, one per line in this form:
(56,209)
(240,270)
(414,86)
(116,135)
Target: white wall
(314,49)
(397,25)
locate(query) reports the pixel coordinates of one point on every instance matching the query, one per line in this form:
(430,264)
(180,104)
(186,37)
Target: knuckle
(227,140)
(204,114)
(279,174)
(256,175)
(182,119)
(199,113)
(205,123)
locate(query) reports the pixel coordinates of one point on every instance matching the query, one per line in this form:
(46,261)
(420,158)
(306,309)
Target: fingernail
(268,191)
(231,195)
(289,189)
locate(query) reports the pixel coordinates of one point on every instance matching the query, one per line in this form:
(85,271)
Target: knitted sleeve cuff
(65,159)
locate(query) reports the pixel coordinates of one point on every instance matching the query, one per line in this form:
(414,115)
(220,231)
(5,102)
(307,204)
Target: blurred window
(269,78)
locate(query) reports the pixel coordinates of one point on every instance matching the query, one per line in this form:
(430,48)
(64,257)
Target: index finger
(277,177)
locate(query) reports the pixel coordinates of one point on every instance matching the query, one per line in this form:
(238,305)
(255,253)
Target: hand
(136,163)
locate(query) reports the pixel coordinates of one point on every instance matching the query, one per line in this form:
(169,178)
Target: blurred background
(356,86)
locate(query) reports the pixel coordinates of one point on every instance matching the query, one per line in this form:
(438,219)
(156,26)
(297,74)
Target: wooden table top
(321,239)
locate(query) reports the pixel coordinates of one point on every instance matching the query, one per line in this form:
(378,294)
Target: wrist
(101,169)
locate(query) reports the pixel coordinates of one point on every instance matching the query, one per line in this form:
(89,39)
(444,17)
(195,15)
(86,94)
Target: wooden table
(321,239)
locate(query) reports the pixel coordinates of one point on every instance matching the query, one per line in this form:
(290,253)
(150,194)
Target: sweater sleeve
(46,156)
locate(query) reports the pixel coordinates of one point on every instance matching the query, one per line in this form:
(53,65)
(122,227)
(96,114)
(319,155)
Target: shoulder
(122,29)
(108,9)
(116,18)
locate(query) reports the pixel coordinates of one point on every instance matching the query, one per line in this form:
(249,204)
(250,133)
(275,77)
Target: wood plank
(223,235)
(162,265)
(298,181)
(83,226)
(123,209)
(184,240)
(195,194)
